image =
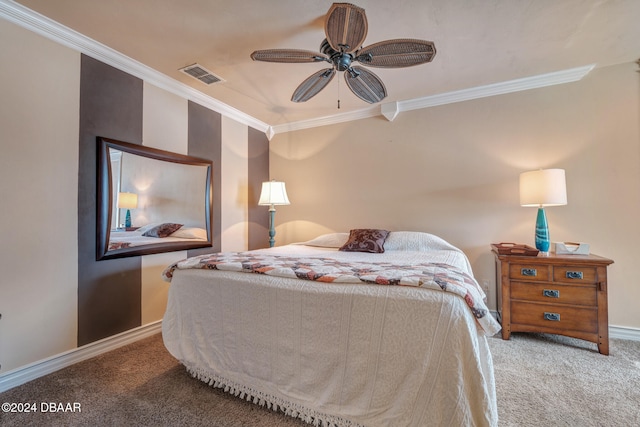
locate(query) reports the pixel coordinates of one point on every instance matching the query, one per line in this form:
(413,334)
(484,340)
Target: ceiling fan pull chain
(338,94)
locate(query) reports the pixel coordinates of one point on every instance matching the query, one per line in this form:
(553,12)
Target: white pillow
(147,227)
(190,233)
(415,241)
(330,240)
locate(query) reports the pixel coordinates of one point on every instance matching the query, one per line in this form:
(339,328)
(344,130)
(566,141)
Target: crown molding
(58,33)
(52,30)
(327,120)
(391,110)
(510,86)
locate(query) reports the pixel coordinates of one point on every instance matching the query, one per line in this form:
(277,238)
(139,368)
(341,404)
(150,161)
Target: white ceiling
(478,42)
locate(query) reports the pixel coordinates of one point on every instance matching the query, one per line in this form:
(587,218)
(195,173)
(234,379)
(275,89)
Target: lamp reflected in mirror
(127,201)
(169,191)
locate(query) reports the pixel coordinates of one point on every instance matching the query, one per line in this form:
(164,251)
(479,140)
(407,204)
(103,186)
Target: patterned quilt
(118,245)
(435,276)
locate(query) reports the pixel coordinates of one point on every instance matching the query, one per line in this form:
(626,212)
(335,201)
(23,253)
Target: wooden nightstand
(556,294)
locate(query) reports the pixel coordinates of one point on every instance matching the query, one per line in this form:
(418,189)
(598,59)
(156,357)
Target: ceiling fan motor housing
(341,60)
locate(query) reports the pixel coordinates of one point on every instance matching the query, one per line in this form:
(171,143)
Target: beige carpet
(541,381)
(550,380)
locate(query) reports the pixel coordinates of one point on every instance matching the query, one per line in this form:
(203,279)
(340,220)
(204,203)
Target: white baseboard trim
(49,365)
(624,333)
(43,367)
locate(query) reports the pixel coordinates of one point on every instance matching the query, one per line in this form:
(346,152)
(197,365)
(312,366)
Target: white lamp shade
(273,193)
(546,187)
(127,200)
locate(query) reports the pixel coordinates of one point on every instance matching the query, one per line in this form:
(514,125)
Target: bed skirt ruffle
(274,403)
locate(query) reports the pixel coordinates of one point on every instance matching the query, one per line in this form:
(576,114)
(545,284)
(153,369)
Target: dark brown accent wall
(258,173)
(205,141)
(109,292)
(111,105)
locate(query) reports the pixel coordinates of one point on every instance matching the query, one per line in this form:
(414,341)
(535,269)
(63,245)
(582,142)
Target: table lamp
(545,187)
(273,193)
(127,201)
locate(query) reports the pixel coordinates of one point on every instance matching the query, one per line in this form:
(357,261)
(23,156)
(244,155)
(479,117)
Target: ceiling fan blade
(313,84)
(397,53)
(345,27)
(288,56)
(365,85)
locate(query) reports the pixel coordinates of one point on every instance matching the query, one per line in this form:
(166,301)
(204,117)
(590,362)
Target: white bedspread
(129,239)
(336,354)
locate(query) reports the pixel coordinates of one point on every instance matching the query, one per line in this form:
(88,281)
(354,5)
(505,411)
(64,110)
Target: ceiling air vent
(197,71)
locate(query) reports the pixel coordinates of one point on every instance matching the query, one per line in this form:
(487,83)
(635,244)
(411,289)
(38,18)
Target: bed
(155,233)
(340,337)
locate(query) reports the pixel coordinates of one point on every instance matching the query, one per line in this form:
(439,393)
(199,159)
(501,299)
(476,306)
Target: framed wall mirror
(151,200)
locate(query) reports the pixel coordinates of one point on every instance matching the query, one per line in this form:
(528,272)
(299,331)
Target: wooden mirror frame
(105,200)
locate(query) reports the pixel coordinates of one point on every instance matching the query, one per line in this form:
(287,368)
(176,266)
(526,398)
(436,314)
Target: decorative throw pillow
(365,240)
(162,230)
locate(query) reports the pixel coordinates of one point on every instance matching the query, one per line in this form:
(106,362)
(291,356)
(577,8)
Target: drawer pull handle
(530,272)
(551,293)
(574,275)
(554,317)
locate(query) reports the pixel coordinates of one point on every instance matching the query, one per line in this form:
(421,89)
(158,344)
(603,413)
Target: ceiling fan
(346,27)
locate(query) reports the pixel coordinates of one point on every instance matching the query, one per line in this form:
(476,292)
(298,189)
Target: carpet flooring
(542,380)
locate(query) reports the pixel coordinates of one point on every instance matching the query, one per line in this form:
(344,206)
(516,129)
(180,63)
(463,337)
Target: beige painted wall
(39,115)
(235,173)
(453,171)
(38,193)
(164,126)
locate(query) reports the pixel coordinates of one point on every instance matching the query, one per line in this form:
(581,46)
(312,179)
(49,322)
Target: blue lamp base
(542,232)
(127,220)
(272,230)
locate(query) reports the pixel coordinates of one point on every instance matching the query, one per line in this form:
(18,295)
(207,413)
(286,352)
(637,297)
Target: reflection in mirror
(151,201)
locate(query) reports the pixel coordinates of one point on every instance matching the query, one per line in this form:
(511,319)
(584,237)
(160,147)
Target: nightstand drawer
(574,274)
(554,293)
(555,316)
(540,273)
